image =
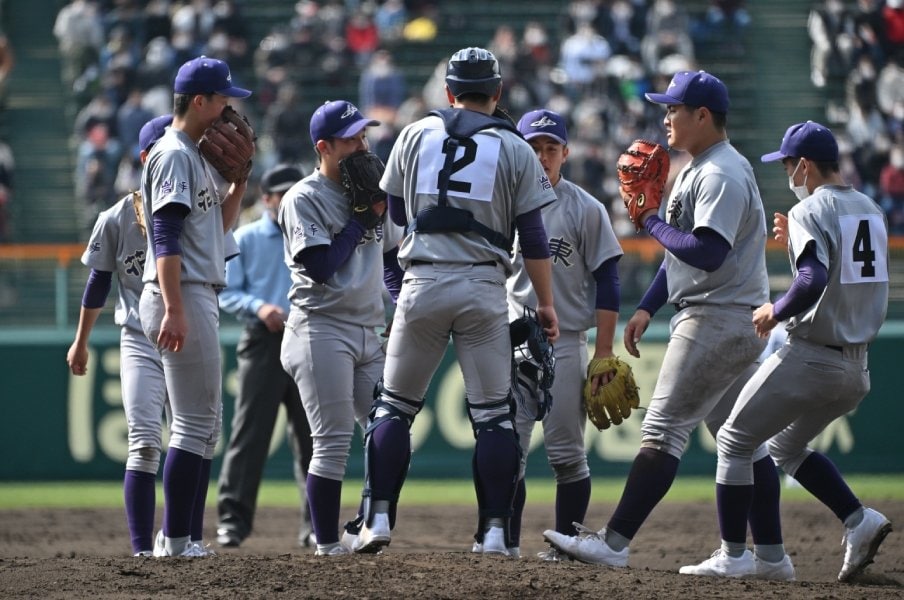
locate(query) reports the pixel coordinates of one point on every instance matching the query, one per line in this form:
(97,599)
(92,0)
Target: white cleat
(720,564)
(587,546)
(862,542)
(373,538)
(782,570)
(334,549)
(494,542)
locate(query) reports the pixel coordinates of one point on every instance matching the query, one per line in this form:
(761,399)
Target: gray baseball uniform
(331,346)
(821,373)
(176,173)
(117,245)
(580,240)
(447,286)
(712,346)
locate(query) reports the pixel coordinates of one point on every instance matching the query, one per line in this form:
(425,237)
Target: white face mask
(800,191)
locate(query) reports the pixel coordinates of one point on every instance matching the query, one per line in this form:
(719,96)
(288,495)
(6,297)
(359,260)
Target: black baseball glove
(361,173)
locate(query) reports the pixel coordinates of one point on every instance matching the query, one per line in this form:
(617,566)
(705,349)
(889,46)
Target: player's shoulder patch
(544,182)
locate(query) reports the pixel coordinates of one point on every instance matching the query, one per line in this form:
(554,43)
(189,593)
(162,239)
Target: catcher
(585,283)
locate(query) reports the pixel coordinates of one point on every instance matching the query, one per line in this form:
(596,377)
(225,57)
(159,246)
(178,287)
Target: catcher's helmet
(473,70)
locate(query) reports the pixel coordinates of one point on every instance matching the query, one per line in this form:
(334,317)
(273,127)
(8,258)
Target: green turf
(93,494)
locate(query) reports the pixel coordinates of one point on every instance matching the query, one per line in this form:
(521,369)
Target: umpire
(257,286)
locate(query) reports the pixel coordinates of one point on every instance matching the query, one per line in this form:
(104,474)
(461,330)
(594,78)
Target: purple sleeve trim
(396,207)
(97,288)
(703,249)
(532,235)
(608,295)
(657,294)
(321,262)
(392,273)
(805,290)
(168,223)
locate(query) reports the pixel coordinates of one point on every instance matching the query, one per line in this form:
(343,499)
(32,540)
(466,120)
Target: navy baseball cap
(808,140)
(205,75)
(338,119)
(543,122)
(279,179)
(152,131)
(694,88)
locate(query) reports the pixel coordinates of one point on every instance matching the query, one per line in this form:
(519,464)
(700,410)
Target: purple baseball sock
(734,503)
(180,487)
(650,478)
(139,492)
(517,512)
(197,516)
(496,460)
(765,515)
(571,505)
(324,496)
(820,477)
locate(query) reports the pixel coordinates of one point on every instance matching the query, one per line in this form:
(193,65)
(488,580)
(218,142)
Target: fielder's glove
(361,173)
(613,401)
(228,145)
(642,171)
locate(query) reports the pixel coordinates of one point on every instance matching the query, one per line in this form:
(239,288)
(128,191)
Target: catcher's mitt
(361,173)
(613,401)
(642,171)
(228,145)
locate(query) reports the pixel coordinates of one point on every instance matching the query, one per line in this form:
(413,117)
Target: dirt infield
(84,554)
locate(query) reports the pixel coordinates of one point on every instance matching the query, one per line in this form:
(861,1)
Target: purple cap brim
(773,156)
(547,134)
(355,128)
(662,99)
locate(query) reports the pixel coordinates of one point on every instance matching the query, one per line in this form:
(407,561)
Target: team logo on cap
(543,122)
(349,111)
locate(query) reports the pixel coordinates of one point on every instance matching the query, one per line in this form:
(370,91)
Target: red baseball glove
(642,172)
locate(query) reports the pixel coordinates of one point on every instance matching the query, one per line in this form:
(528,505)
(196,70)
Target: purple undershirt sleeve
(167,224)
(703,249)
(322,261)
(392,273)
(657,294)
(532,235)
(608,296)
(396,207)
(807,287)
(97,288)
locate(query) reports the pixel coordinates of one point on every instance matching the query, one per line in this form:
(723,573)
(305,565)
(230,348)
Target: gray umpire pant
(263,386)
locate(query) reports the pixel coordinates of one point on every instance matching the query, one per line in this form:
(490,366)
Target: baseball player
(257,291)
(713,273)
(187,221)
(585,255)
(118,244)
(460,180)
(838,246)
(331,346)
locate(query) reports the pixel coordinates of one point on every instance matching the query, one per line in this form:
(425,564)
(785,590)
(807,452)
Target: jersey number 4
(865,241)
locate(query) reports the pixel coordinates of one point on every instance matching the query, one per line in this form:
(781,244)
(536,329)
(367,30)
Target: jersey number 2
(470,153)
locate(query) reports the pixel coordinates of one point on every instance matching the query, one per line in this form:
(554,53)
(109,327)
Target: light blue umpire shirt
(258,275)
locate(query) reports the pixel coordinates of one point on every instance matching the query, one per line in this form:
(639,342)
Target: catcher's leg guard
(495,466)
(382,414)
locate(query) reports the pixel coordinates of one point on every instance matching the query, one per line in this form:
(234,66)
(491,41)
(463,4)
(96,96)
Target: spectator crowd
(593,64)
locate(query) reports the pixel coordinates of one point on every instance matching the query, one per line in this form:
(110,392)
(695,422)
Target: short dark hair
(181,102)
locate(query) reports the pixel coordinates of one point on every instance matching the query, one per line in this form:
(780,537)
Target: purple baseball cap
(338,119)
(205,75)
(152,131)
(543,122)
(694,88)
(808,140)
